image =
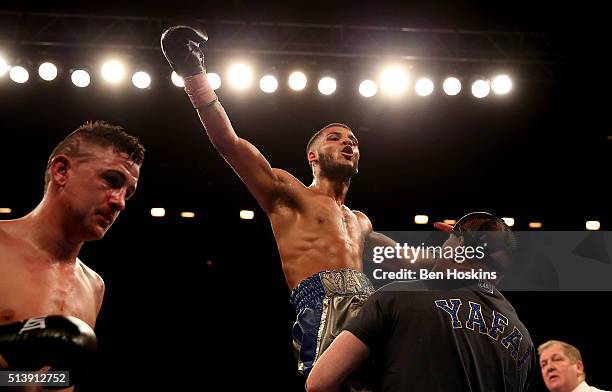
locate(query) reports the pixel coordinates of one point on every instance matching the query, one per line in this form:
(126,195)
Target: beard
(336,171)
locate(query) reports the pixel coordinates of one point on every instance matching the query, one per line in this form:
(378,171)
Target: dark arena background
(201,303)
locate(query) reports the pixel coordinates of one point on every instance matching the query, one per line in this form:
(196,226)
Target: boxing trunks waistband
(311,291)
(324,303)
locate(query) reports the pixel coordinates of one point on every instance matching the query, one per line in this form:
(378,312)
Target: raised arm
(246,160)
(182,46)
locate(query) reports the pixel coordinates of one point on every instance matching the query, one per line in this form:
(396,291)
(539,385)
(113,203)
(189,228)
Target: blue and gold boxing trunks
(324,303)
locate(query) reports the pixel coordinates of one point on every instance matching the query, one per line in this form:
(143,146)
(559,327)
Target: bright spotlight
(593,225)
(177,80)
(394,81)
(80,78)
(214,80)
(480,88)
(141,79)
(451,86)
(240,76)
(501,84)
(113,71)
(47,71)
(421,219)
(268,84)
(158,212)
(247,214)
(368,88)
(327,85)
(297,81)
(424,87)
(19,74)
(4,67)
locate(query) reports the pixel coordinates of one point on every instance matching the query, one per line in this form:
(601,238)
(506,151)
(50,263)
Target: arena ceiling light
(593,225)
(394,81)
(451,86)
(177,80)
(480,88)
(247,214)
(368,88)
(5,210)
(47,71)
(424,87)
(214,80)
(297,81)
(113,71)
(268,84)
(501,84)
(19,74)
(158,212)
(449,221)
(240,76)
(421,219)
(80,78)
(141,80)
(327,85)
(4,67)
(535,225)
(188,214)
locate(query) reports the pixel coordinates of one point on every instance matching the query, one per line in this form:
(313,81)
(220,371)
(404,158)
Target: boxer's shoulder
(363,220)
(6,227)
(10,233)
(90,274)
(96,282)
(289,187)
(285,177)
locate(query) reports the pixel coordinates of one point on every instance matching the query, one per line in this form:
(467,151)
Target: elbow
(316,384)
(312,385)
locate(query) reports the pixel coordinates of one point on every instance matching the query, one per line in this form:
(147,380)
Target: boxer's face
(338,152)
(96,191)
(558,371)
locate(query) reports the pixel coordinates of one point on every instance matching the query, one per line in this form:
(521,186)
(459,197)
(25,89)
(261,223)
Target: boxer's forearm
(218,127)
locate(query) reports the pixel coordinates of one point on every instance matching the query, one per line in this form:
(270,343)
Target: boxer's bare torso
(33,284)
(313,232)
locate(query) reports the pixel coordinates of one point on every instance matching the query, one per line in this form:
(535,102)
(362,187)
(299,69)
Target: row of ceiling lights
(393,80)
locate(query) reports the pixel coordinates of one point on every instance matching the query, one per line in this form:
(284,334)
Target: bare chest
(31,286)
(325,219)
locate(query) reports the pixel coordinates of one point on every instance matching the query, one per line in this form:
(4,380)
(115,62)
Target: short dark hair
(99,133)
(318,134)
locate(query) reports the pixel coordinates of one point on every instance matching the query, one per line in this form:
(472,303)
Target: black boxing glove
(63,342)
(182,46)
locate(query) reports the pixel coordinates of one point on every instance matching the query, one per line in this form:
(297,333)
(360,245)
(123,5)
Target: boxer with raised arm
(320,240)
